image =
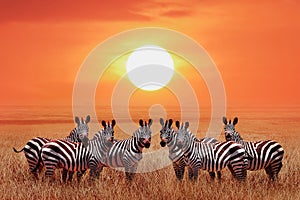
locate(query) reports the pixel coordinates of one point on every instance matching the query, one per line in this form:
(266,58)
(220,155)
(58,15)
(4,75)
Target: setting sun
(150,67)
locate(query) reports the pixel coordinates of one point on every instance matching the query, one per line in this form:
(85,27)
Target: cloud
(176,13)
(56,10)
(154,9)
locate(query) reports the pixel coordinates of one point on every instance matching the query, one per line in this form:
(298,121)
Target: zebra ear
(113,123)
(170,122)
(161,121)
(186,125)
(150,122)
(77,120)
(103,123)
(141,122)
(87,120)
(177,123)
(225,120)
(235,121)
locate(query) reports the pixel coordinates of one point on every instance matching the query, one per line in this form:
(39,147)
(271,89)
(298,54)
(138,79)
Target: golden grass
(16,182)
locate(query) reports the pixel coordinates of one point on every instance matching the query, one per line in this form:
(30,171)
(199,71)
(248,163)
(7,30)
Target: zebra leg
(191,173)
(195,173)
(272,170)
(70,176)
(219,175)
(37,171)
(130,171)
(79,175)
(98,171)
(179,170)
(212,175)
(93,172)
(64,175)
(238,170)
(50,171)
(278,168)
(175,167)
(231,170)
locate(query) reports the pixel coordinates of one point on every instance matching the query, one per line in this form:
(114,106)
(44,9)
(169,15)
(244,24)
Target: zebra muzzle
(85,141)
(147,145)
(227,136)
(163,143)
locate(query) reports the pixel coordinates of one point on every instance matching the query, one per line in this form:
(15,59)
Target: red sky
(255,45)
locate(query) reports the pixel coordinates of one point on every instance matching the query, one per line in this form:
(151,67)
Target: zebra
(210,157)
(33,147)
(127,153)
(73,156)
(168,137)
(267,154)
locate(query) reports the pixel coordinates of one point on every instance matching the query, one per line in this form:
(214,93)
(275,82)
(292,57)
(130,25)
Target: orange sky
(255,45)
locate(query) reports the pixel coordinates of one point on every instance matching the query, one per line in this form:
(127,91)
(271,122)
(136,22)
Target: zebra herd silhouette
(76,153)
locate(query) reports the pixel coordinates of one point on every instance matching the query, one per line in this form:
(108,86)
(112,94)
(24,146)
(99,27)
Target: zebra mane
(194,138)
(73,136)
(237,135)
(98,135)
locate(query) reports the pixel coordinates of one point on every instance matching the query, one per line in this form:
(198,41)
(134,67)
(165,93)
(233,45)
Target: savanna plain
(281,124)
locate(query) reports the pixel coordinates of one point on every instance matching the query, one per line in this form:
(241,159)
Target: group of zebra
(213,156)
(76,153)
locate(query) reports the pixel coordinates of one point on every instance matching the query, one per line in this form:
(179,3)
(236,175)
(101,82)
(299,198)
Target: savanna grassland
(17,183)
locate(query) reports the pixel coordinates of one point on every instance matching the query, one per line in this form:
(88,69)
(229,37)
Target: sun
(150,67)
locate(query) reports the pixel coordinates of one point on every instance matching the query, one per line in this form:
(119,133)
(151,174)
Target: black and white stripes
(210,157)
(33,147)
(77,153)
(77,156)
(127,153)
(267,154)
(168,137)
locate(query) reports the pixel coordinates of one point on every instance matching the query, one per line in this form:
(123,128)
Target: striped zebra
(33,147)
(127,153)
(267,154)
(73,156)
(210,157)
(168,137)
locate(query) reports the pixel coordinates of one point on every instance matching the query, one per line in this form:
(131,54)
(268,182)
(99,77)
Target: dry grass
(16,182)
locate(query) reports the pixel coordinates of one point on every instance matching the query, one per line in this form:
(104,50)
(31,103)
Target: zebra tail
(15,150)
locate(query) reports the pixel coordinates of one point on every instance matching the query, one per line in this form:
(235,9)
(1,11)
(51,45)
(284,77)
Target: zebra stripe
(127,153)
(33,147)
(211,157)
(168,137)
(267,154)
(73,156)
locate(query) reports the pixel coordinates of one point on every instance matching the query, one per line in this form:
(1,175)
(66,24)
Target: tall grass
(17,183)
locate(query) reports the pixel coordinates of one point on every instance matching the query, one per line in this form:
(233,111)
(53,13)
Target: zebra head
(166,132)
(108,131)
(183,136)
(143,134)
(229,130)
(82,129)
